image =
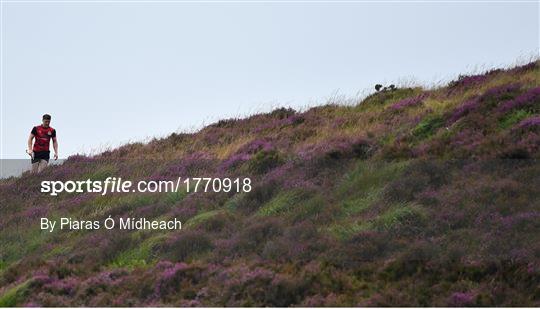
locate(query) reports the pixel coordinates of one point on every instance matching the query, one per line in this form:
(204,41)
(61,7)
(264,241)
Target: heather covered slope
(411,197)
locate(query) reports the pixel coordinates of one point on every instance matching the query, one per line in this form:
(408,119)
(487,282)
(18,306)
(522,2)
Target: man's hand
(55,156)
(29,152)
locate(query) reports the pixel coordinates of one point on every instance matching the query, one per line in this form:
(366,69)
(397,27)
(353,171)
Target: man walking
(40,151)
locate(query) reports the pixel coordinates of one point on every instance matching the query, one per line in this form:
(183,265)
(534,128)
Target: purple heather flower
(168,276)
(35,212)
(408,102)
(336,145)
(460,299)
(256,146)
(245,153)
(67,286)
(531,97)
(164,265)
(41,279)
(79,159)
(463,110)
(500,91)
(294,119)
(469,81)
(520,218)
(530,122)
(533,268)
(170,272)
(475,103)
(277,122)
(234,160)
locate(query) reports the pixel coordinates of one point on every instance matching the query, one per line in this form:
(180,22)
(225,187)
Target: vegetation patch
(428,126)
(283,202)
(513,118)
(13,297)
(202,217)
(265,160)
(401,217)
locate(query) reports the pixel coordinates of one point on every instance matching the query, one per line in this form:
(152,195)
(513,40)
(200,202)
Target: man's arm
(55,147)
(30,138)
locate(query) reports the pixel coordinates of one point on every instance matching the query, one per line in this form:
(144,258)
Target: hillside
(410,197)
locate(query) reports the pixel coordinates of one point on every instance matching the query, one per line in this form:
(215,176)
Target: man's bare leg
(35,167)
(42,164)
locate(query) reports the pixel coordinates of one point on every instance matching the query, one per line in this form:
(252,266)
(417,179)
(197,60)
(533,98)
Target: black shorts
(41,155)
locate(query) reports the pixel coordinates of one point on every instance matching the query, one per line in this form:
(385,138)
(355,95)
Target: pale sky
(111,73)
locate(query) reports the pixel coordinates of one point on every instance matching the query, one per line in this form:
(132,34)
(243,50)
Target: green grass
(428,126)
(202,217)
(13,296)
(264,161)
(399,215)
(309,208)
(100,174)
(367,175)
(103,204)
(58,250)
(358,205)
(139,256)
(3,265)
(396,217)
(129,260)
(232,203)
(367,179)
(358,191)
(283,202)
(24,240)
(172,198)
(513,118)
(345,230)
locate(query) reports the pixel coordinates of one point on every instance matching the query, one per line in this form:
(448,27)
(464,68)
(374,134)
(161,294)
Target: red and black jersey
(43,137)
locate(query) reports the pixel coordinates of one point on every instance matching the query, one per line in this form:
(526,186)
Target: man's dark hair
(46,117)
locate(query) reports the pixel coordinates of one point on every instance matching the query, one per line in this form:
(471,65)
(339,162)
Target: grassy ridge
(410,197)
